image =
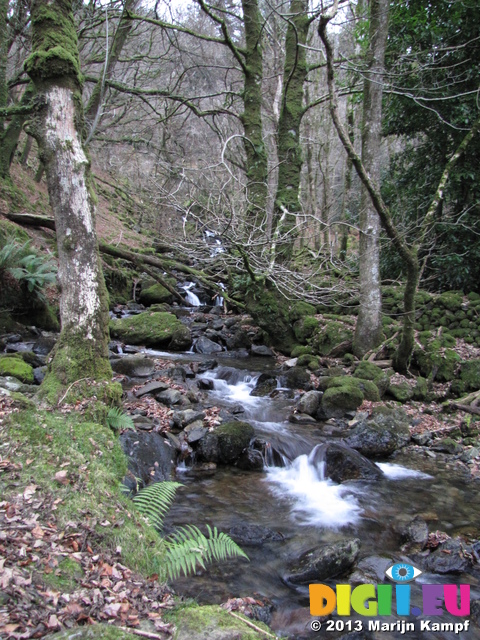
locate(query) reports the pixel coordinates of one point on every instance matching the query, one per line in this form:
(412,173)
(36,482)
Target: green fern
(118,420)
(155,500)
(188,547)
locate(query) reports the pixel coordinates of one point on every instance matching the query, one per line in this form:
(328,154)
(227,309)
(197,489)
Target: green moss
(451,300)
(436,359)
(95,465)
(305,328)
(332,334)
(54,43)
(66,576)
(94,632)
(150,329)
(370,371)
(368,388)
(272,314)
(16,367)
(155,294)
(401,391)
(194,623)
(420,391)
(301,350)
(300,310)
(337,400)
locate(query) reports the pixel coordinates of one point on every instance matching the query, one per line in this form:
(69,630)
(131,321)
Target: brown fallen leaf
(62,478)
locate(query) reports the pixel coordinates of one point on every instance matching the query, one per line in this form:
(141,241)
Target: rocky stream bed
(318,475)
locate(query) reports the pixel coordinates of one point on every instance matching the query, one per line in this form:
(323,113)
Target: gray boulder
(150,458)
(309,402)
(341,463)
(264,386)
(380,435)
(207,346)
(156,386)
(134,366)
(323,562)
(261,350)
(169,397)
(448,558)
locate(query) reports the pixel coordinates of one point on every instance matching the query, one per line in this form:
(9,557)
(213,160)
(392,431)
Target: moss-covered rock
(420,390)
(451,300)
(152,330)
(383,433)
(300,310)
(301,350)
(400,390)
(155,294)
(95,632)
(341,398)
(14,365)
(226,443)
(271,312)
(368,388)
(435,358)
(469,378)
(305,328)
(331,335)
(370,371)
(214,623)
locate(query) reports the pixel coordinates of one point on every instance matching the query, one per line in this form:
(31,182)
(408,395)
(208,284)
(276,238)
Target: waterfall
(219,299)
(193,299)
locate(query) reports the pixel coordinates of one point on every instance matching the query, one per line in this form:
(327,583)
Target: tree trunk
(289,147)
(82,349)
(346,189)
(94,106)
(10,135)
(255,149)
(368,332)
(4,166)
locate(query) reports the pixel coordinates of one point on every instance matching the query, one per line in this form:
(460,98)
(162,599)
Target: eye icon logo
(402,572)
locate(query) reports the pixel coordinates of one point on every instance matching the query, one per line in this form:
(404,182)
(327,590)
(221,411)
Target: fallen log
(138,259)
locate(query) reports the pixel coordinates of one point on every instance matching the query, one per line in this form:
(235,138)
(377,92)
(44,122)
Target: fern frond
(118,420)
(188,547)
(155,500)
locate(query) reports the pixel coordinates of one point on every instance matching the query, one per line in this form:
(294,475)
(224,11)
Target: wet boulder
(415,532)
(371,569)
(341,463)
(261,350)
(134,366)
(324,562)
(207,346)
(449,557)
(44,344)
(226,443)
(253,535)
(298,378)
(250,460)
(380,435)
(264,386)
(150,457)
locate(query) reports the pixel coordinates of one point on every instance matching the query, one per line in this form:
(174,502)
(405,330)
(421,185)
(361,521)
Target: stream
(299,508)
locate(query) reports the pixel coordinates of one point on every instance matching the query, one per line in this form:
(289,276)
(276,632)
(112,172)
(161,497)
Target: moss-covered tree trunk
(82,350)
(290,158)
(255,150)
(368,332)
